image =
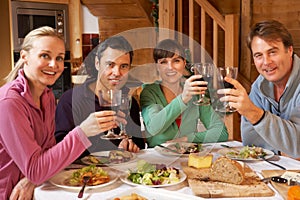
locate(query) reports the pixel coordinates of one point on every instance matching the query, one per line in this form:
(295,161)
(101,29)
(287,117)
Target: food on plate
(119,156)
(185,148)
(153,174)
(132,196)
(114,157)
(97,174)
(197,161)
(98,159)
(227,170)
(247,152)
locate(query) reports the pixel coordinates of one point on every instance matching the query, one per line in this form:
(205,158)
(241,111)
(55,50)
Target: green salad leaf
(153,174)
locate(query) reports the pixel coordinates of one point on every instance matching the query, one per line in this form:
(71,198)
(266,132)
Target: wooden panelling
(143,56)
(245,54)
(122,24)
(167,16)
(75,24)
(116,11)
(91,2)
(49,1)
(121,16)
(287,12)
(5,41)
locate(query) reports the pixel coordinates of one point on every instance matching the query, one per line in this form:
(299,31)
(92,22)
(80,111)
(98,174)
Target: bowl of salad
(153,175)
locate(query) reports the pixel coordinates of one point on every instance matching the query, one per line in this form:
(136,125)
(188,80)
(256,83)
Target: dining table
(49,191)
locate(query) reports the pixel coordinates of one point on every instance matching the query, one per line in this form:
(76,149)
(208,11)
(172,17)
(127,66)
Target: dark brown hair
(167,48)
(115,42)
(270,30)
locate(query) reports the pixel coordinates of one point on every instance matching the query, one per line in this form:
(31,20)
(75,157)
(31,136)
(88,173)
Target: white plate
(171,145)
(269,154)
(60,179)
(117,137)
(129,182)
(86,160)
(155,194)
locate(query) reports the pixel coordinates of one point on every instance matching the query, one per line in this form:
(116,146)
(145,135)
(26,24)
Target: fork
(263,157)
(85,180)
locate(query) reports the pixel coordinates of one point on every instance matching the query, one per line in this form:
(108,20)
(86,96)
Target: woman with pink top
(29,154)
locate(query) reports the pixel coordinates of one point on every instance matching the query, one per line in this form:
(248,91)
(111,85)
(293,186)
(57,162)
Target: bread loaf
(197,161)
(227,170)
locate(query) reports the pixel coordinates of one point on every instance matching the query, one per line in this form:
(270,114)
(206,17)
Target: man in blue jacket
(271,112)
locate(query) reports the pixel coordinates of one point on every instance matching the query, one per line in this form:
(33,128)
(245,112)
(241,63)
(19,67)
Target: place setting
(181,148)
(97,171)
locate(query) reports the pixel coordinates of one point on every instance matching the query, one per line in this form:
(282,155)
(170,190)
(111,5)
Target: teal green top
(159,118)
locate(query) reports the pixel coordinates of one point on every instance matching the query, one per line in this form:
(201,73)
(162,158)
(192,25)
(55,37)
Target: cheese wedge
(197,161)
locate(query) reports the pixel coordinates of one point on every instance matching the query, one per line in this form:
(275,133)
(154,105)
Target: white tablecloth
(47,191)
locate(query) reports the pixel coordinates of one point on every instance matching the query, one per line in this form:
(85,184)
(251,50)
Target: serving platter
(251,187)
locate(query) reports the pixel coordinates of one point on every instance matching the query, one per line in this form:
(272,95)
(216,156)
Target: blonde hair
(27,45)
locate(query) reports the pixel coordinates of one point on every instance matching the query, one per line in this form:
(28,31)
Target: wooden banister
(212,12)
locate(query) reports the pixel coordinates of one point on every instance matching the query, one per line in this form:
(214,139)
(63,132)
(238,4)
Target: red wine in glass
(125,108)
(205,69)
(110,107)
(110,100)
(227,85)
(230,72)
(199,79)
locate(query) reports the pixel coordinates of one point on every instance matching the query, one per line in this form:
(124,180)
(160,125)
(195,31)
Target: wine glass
(232,73)
(125,108)
(110,100)
(206,70)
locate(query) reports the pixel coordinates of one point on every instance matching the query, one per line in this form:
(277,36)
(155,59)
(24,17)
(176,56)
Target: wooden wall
(5,41)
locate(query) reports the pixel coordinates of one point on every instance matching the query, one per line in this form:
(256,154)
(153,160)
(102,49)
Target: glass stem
(122,128)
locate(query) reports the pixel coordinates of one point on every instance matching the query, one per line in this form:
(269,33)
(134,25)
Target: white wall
(89,21)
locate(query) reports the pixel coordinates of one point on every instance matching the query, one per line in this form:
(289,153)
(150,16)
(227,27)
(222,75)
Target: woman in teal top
(167,108)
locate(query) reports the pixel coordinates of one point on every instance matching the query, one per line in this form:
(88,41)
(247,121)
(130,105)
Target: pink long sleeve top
(27,143)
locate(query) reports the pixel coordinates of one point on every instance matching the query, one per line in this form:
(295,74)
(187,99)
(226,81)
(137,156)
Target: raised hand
(192,87)
(238,98)
(99,122)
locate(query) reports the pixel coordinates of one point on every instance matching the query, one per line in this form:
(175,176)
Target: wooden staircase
(115,16)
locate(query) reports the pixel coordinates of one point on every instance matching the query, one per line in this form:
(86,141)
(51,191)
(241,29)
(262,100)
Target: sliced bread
(227,170)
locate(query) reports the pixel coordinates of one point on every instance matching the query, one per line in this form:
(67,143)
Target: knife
(167,148)
(276,179)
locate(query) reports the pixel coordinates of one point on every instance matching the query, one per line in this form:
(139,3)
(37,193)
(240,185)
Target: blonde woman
(28,151)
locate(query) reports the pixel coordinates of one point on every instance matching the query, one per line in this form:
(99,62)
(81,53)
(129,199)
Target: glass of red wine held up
(206,70)
(232,73)
(125,109)
(110,100)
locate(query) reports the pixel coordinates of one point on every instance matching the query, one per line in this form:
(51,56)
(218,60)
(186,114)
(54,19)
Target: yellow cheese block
(197,161)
